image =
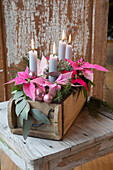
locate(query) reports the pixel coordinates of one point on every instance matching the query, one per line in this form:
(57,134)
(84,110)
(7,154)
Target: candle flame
(32,44)
(54,49)
(63,35)
(69,41)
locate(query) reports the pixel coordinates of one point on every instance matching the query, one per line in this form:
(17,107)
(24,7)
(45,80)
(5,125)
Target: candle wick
(63,40)
(69,43)
(33,51)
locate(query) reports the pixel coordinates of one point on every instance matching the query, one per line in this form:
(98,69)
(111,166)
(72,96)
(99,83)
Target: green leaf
(18,94)
(21,120)
(38,115)
(26,127)
(14,88)
(91,83)
(20,106)
(58,97)
(25,111)
(19,99)
(85,92)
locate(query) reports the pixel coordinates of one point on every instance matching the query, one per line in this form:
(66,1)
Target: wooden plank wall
(100,44)
(45,20)
(2,62)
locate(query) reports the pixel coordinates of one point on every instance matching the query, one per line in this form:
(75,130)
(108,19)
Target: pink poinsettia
(85,68)
(80,60)
(81,82)
(28,88)
(88,74)
(21,78)
(75,65)
(63,78)
(41,82)
(53,89)
(94,66)
(74,73)
(80,65)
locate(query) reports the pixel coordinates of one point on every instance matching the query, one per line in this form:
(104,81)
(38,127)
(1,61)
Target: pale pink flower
(41,82)
(88,74)
(41,65)
(63,78)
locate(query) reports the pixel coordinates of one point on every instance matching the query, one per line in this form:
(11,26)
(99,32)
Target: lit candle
(33,59)
(53,64)
(69,49)
(62,48)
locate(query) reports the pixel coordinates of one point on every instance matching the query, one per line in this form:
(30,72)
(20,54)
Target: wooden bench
(87,139)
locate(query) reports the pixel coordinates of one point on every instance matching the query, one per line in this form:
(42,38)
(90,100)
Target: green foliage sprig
(94,105)
(64,65)
(25,113)
(61,94)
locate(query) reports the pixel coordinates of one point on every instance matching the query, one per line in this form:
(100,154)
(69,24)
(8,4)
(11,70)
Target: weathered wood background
(86,20)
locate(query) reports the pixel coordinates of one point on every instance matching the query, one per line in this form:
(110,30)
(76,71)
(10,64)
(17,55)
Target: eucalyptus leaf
(26,127)
(18,94)
(21,120)
(20,106)
(25,111)
(19,99)
(38,115)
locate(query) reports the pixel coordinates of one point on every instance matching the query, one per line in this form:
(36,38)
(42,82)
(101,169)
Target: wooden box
(61,117)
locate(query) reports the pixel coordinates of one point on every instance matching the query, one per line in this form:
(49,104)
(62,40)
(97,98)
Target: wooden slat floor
(103,163)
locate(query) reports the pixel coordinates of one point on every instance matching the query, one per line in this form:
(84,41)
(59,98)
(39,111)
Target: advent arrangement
(51,87)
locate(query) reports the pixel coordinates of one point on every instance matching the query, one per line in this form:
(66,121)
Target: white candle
(69,49)
(53,64)
(62,48)
(33,58)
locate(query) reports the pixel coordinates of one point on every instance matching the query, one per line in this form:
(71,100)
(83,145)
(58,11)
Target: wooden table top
(87,139)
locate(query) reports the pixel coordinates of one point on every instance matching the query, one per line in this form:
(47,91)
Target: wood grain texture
(86,20)
(86,140)
(6,163)
(45,20)
(105,162)
(71,108)
(100,44)
(3,95)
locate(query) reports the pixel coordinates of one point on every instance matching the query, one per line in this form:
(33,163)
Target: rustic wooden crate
(61,118)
